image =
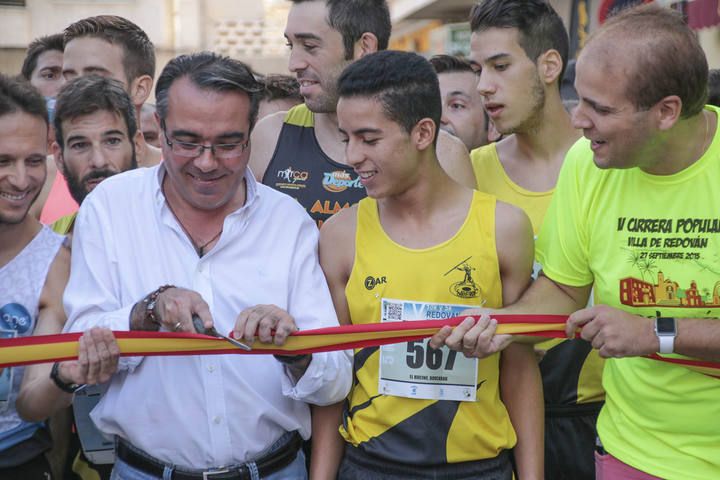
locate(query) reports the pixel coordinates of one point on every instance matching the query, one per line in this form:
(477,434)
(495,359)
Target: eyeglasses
(194,150)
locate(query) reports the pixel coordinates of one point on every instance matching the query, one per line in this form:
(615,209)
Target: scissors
(200,328)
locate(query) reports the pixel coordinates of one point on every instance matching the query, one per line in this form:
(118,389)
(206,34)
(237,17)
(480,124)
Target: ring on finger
(177,326)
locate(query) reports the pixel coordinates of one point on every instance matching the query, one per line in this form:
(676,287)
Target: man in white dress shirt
(197,235)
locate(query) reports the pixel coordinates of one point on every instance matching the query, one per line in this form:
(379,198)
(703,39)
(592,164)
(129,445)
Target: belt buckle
(209,475)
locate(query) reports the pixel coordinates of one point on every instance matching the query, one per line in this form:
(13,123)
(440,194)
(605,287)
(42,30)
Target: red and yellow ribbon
(55,348)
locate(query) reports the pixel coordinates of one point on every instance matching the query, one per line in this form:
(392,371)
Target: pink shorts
(608,467)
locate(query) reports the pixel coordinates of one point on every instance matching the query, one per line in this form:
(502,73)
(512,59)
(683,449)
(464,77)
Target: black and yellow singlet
(463,270)
(301,169)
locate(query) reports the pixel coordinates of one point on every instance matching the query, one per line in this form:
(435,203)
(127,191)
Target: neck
(14,237)
(681,146)
(203,227)
(553,136)
(328,136)
(430,192)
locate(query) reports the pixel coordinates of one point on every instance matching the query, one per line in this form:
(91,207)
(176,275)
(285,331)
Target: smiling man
(300,152)
(96,137)
(435,247)
(33,267)
(197,235)
(635,215)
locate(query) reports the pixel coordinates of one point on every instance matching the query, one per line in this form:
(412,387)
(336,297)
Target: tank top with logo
(409,403)
(21,283)
(302,170)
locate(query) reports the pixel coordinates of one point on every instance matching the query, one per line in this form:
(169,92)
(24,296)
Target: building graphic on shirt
(636,292)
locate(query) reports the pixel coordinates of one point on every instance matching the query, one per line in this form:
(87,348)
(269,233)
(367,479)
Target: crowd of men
(369,186)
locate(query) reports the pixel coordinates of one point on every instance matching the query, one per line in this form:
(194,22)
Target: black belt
(266,465)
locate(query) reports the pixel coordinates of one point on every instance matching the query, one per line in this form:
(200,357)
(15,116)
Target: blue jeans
(295,471)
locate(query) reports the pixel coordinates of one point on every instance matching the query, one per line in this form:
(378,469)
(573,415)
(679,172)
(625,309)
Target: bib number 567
(419,355)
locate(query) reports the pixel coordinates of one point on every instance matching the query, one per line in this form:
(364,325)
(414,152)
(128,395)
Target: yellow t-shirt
(650,243)
(429,283)
(492,178)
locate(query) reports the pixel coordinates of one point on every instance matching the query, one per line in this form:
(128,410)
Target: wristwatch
(666,331)
(65,387)
(149,303)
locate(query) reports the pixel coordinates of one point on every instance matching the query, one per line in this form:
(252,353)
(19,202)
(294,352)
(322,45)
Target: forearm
(326,380)
(521,390)
(545,296)
(698,338)
(327,444)
(39,397)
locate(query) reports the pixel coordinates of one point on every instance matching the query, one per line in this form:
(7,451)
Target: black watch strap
(65,387)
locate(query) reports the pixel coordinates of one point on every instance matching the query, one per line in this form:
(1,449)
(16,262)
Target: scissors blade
(200,328)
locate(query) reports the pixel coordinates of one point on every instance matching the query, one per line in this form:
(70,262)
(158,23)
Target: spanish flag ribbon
(54,348)
(61,347)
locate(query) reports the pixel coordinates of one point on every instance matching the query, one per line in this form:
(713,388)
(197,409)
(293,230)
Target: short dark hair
(667,58)
(450,64)
(17,95)
(209,71)
(139,51)
(454,64)
(352,18)
(89,94)
(539,26)
(279,87)
(714,87)
(403,82)
(37,47)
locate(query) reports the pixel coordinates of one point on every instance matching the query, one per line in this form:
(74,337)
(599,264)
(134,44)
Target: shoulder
(122,195)
(263,141)
(342,224)
(282,210)
(511,222)
(454,159)
(337,241)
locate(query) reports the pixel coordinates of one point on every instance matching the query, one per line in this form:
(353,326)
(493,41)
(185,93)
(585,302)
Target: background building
(252,30)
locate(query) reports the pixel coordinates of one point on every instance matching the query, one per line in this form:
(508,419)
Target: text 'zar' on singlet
(302,170)
(391,282)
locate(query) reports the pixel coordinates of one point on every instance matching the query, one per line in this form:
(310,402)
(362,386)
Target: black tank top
(301,169)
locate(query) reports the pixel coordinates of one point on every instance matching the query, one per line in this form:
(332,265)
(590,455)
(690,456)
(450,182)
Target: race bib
(414,370)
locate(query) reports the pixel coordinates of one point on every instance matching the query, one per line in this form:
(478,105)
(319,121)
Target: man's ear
(366,44)
(140,145)
(668,111)
(549,66)
(140,89)
(423,134)
(58,156)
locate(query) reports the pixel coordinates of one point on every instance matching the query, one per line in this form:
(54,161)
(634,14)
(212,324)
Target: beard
(537,104)
(76,186)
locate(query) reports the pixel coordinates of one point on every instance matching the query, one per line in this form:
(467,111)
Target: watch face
(665,325)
